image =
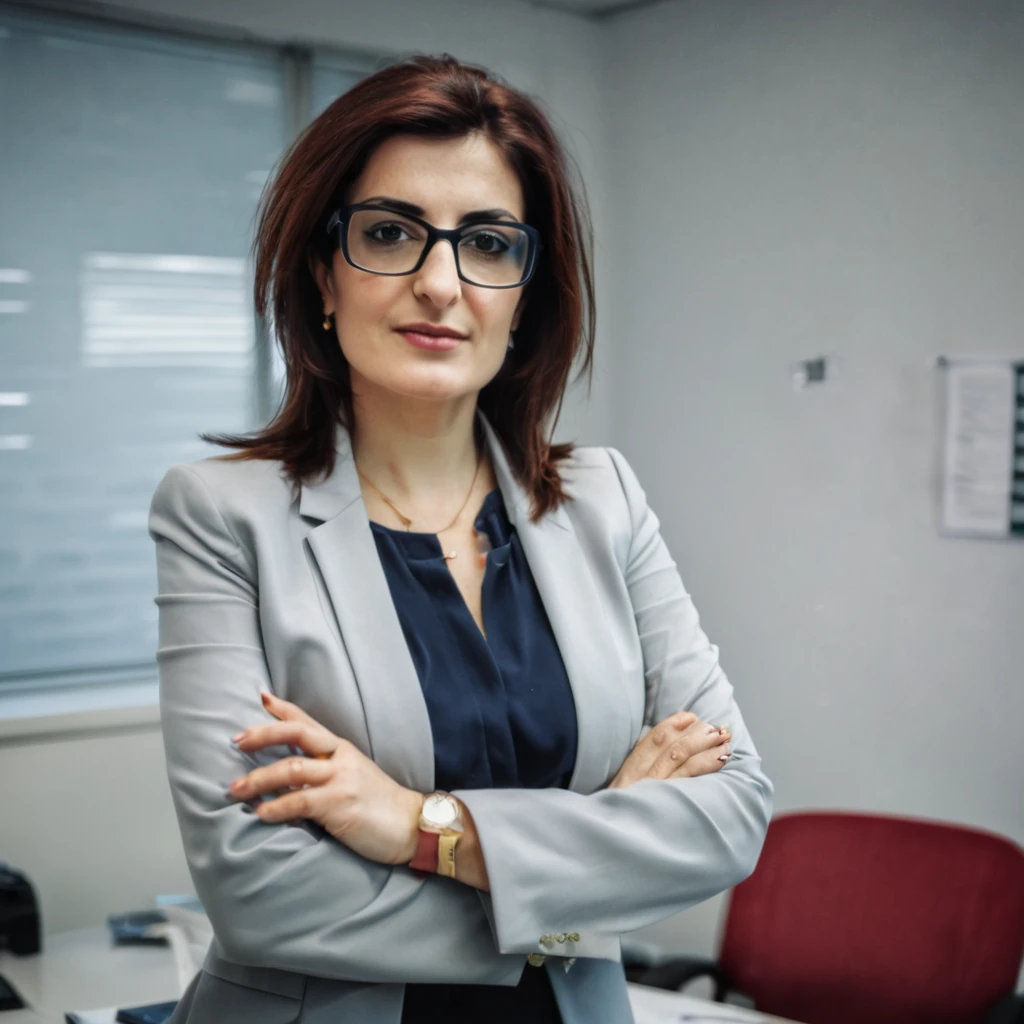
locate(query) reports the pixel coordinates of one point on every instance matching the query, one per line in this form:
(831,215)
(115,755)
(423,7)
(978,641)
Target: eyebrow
(401,206)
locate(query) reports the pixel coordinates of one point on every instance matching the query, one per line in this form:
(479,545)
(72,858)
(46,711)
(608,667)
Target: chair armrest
(1008,1010)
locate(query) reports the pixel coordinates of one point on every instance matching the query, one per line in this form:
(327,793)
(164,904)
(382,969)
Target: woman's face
(447,178)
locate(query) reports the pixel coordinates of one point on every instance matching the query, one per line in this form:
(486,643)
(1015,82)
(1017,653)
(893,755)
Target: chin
(438,382)
(431,387)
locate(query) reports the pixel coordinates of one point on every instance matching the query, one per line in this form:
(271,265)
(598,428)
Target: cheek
(493,311)
(366,308)
(365,298)
(493,318)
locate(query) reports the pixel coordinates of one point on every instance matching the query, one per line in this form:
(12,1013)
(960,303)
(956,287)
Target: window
(131,164)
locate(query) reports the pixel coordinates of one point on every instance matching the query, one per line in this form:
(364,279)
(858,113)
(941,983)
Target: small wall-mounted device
(809,372)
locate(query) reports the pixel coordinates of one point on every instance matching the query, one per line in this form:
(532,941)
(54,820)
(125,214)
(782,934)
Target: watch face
(440,810)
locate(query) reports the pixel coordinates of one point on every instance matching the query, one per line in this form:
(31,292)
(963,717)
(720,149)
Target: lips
(434,330)
(431,342)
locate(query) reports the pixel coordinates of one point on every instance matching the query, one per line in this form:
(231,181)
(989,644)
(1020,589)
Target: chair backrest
(870,919)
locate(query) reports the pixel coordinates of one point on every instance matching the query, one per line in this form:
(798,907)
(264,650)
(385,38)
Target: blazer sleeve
(612,861)
(277,895)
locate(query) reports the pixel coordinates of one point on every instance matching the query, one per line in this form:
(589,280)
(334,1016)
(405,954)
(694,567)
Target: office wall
(808,177)
(88,817)
(88,814)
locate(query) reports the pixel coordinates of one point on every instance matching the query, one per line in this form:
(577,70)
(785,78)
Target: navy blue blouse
(501,709)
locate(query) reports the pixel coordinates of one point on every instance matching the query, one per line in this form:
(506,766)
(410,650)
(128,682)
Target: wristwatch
(441,828)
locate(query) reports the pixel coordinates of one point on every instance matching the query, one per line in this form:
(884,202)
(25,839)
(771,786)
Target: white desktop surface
(85,970)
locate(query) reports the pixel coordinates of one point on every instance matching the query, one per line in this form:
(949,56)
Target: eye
(488,243)
(390,232)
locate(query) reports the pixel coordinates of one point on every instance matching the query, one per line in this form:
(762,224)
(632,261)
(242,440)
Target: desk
(85,970)
(656,1006)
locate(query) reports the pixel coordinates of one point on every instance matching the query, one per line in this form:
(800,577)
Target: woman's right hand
(681,746)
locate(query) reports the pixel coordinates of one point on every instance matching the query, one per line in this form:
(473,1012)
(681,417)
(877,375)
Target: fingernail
(265,696)
(711,729)
(237,736)
(723,757)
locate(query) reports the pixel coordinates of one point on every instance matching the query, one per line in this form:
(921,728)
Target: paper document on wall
(983,471)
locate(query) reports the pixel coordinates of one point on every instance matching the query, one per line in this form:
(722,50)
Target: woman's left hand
(338,787)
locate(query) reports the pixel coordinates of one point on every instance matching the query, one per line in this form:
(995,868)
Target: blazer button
(535,959)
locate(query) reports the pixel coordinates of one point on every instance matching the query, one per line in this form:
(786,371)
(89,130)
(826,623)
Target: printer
(20,928)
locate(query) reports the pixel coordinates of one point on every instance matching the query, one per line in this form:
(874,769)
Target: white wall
(89,816)
(827,176)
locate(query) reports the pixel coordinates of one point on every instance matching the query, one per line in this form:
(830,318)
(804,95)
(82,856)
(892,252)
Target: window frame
(103,698)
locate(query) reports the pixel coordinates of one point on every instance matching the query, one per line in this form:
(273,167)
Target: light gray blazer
(257,591)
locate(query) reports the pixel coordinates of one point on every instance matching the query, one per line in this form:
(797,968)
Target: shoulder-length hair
(437,97)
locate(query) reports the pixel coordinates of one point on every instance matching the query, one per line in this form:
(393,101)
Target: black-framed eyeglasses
(491,254)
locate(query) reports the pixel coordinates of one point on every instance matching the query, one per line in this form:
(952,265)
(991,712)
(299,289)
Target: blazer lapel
(401,741)
(570,596)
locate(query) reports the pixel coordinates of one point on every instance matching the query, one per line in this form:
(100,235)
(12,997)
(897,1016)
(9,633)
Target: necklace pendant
(450,555)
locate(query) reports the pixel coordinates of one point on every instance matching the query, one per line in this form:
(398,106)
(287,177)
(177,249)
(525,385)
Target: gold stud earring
(328,321)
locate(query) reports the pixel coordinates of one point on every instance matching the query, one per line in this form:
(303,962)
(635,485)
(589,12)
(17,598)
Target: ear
(324,280)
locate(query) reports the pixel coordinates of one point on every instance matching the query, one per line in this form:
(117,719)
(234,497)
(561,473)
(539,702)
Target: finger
(313,739)
(694,740)
(290,807)
(704,763)
(667,729)
(678,720)
(281,708)
(647,750)
(707,733)
(292,772)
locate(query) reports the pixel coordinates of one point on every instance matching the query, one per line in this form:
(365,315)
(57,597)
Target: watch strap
(446,854)
(426,860)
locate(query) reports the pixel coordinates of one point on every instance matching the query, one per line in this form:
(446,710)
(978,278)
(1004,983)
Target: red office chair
(870,919)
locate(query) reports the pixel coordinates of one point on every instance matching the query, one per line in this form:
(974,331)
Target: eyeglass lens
(387,243)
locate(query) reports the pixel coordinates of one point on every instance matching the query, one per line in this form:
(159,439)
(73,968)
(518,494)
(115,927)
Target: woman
(410,653)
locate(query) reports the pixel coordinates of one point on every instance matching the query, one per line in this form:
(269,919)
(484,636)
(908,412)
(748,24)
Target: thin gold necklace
(407,522)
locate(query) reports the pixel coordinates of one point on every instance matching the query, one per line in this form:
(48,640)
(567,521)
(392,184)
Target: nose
(438,278)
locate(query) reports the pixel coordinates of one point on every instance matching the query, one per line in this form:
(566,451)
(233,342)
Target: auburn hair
(437,97)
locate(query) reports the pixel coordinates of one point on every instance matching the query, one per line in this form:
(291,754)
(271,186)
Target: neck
(422,454)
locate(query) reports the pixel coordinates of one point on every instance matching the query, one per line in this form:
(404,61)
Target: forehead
(446,177)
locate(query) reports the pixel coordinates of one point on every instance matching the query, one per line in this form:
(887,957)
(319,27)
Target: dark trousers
(532,1000)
